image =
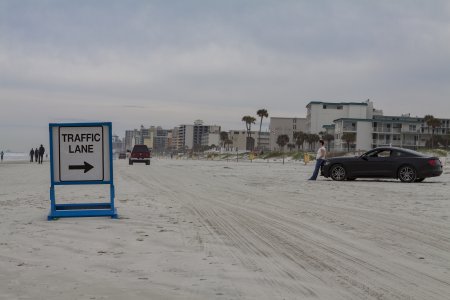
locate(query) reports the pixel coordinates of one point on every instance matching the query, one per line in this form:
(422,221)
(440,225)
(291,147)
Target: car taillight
(432,162)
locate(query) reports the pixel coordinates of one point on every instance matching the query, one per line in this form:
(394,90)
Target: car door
(383,164)
(374,163)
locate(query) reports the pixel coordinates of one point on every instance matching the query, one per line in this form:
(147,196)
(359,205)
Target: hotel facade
(370,127)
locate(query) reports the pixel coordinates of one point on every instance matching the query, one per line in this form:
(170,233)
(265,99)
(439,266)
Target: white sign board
(81,153)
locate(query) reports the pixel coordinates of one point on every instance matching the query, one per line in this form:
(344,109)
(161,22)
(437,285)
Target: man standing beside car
(320,158)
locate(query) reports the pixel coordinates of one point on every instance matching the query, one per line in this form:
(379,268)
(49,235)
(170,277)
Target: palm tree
(282,140)
(312,139)
(223,137)
(433,123)
(446,139)
(262,113)
(328,137)
(249,120)
(349,138)
(299,137)
(291,146)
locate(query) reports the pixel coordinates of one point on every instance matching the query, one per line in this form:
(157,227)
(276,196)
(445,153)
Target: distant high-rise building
(132,137)
(161,140)
(117,144)
(190,136)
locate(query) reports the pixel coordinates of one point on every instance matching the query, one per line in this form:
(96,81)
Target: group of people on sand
(37,154)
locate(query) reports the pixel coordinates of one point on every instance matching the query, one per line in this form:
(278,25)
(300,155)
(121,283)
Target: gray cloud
(171,62)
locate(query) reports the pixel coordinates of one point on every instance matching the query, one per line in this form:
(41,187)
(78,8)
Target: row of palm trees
(433,123)
(301,137)
(249,120)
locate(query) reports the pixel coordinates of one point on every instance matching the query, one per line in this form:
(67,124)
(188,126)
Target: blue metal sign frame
(68,210)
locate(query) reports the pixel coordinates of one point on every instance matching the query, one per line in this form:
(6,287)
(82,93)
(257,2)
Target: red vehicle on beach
(140,154)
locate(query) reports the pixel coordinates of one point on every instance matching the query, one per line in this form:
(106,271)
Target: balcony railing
(382,129)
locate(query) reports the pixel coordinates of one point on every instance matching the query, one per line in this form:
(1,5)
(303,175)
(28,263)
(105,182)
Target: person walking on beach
(36,154)
(320,158)
(31,155)
(1,155)
(41,153)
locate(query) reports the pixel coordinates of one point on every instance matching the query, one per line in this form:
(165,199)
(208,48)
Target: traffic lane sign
(81,146)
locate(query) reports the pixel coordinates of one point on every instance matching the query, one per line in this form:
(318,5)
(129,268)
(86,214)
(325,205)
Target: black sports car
(384,162)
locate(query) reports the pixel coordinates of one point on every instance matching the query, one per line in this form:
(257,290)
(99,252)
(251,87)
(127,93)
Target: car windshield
(140,148)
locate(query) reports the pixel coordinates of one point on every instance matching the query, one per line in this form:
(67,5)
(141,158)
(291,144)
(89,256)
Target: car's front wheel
(338,172)
(407,174)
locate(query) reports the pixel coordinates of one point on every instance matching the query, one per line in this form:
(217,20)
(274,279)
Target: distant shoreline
(16,156)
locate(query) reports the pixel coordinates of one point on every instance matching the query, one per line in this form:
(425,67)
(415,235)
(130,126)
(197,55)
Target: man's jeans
(319,163)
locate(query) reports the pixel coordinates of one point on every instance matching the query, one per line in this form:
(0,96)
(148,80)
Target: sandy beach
(190,229)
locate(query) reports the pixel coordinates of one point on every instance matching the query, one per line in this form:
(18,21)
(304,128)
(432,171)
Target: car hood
(343,158)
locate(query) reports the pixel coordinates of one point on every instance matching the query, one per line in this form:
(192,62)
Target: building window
(294,126)
(294,121)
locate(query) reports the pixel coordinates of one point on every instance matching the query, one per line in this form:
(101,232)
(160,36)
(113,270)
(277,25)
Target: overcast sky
(171,62)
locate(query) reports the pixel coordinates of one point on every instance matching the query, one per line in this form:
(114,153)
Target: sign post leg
(113,195)
(52,203)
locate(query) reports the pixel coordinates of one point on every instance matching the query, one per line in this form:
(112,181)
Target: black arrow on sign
(86,167)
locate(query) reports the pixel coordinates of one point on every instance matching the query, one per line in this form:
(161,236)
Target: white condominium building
(324,113)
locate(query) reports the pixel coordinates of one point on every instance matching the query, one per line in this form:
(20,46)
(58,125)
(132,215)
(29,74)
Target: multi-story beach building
(263,141)
(279,126)
(190,136)
(132,137)
(239,139)
(117,144)
(324,113)
(369,126)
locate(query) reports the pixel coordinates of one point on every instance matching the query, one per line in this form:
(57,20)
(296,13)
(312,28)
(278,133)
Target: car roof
(400,149)
(389,148)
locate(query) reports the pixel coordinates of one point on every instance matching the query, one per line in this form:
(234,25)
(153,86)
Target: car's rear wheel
(407,174)
(338,173)
(419,180)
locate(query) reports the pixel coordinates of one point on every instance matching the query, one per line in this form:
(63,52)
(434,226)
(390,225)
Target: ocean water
(14,156)
(17,156)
